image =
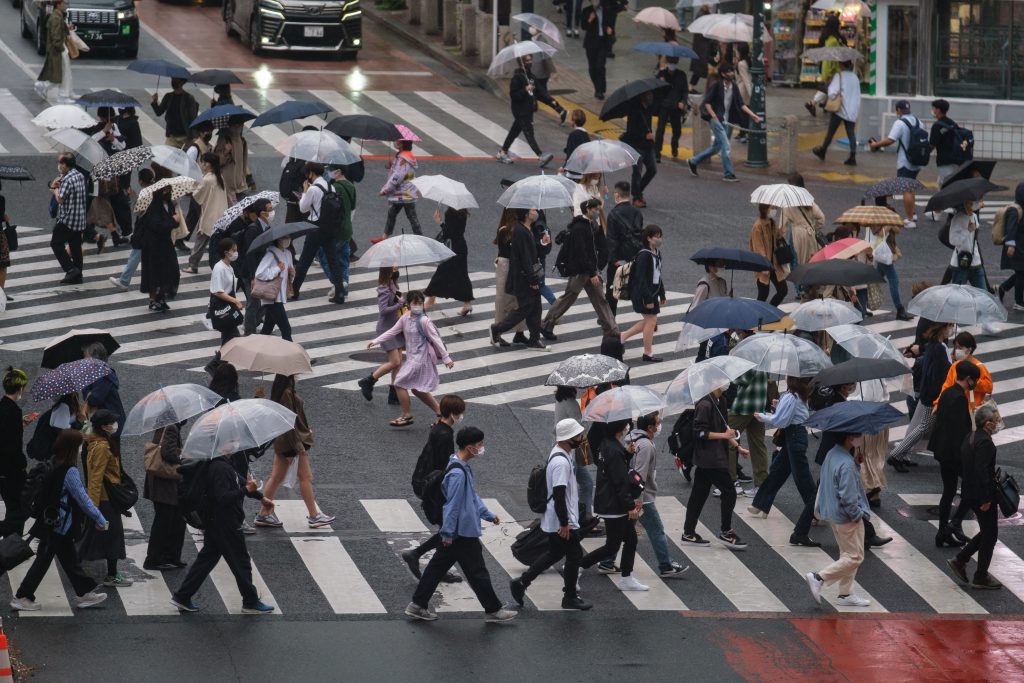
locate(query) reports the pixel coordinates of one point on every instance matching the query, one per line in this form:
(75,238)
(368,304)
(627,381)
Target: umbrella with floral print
(890,187)
(180,186)
(69,378)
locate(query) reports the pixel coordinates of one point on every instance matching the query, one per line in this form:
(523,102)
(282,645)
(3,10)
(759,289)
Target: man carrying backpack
(460,534)
(913,152)
(324,208)
(561,518)
(624,240)
(953,145)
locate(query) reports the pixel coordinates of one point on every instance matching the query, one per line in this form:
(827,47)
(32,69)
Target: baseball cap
(903,105)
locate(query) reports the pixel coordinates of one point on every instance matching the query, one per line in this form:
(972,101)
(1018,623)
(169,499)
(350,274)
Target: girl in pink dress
(423,350)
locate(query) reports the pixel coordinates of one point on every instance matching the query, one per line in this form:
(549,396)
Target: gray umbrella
(587,370)
(833,53)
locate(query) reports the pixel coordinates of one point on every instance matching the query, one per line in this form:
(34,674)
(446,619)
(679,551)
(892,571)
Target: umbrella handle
(157,93)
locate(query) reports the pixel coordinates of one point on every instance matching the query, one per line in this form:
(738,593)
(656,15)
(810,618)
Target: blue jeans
(585,482)
(130,266)
(791,459)
(974,276)
(719,146)
(343,249)
(651,522)
(889,273)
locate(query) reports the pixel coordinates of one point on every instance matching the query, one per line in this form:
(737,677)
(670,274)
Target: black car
(102,24)
(311,25)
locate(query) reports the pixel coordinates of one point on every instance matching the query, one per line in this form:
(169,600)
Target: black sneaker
(520,338)
(412,561)
(575,602)
(366,387)
(818,152)
(693,167)
(496,339)
(730,178)
(518,590)
(548,333)
(743,477)
(897,465)
(695,539)
(731,541)
(537,345)
(804,541)
(959,569)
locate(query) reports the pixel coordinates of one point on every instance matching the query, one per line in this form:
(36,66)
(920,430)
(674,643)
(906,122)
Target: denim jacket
(463,508)
(841,497)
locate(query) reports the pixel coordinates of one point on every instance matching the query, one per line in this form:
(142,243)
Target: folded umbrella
(215,77)
(404,250)
(64,116)
(237,426)
(623,403)
(833,53)
(290,111)
(587,370)
(975,168)
(854,417)
(890,187)
(107,98)
(88,151)
(870,215)
(176,161)
(266,353)
(509,57)
(781,195)
(955,194)
(221,115)
(700,379)
(782,355)
(666,50)
(732,312)
(657,16)
(69,378)
(861,342)
(859,370)
(601,156)
(68,347)
(445,191)
(846,248)
(321,146)
(180,186)
(363,127)
(818,314)
(237,209)
(537,192)
(960,304)
(845,273)
(621,101)
(544,26)
(121,163)
(13,172)
(276,232)
(169,405)
(732,259)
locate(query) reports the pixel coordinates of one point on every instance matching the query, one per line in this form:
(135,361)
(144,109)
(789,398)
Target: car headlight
(126,13)
(272,4)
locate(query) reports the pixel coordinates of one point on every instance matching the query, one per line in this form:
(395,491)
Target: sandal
(403,421)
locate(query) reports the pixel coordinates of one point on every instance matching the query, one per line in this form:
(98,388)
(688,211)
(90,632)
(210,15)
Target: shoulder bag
(11,233)
(122,496)
(834,104)
(783,252)
(1007,493)
(154,461)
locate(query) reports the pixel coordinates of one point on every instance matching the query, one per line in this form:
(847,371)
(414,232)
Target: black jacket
(934,368)
(638,126)
(594,37)
(1014,223)
(250,259)
(12,456)
(952,424)
(709,417)
(978,456)
(523,101)
(625,232)
(576,138)
(715,96)
(583,259)
(611,495)
(941,138)
(440,445)
(642,290)
(680,88)
(226,490)
(523,262)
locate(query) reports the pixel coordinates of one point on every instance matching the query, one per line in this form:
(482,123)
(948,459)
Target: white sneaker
(815,586)
(321,520)
(501,615)
(117,283)
(751,492)
(629,583)
(739,488)
(852,600)
(90,599)
(715,492)
(909,224)
(25,605)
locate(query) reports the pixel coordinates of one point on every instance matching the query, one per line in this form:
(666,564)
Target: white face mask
(998,427)
(960,354)
(270,217)
(458,418)
(418,310)
(111,428)
(232,256)
(657,429)
(285,243)
(481,451)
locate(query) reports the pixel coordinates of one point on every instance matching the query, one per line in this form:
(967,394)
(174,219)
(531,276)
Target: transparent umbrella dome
(169,405)
(623,403)
(700,379)
(237,426)
(782,355)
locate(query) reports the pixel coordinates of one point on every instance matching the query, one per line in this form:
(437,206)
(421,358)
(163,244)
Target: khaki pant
(850,537)
(573,286)
(876,448)
(755,442)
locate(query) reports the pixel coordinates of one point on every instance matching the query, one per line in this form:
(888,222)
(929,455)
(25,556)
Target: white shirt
(900,132)
(561,472)
(310,200)
(223,278)
(845,83)
(268,270)
(60,416)
(963,239)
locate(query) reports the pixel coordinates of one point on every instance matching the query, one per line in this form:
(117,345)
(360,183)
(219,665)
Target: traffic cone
(6,675)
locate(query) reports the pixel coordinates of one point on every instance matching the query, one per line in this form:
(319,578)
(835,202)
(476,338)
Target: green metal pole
(757,142)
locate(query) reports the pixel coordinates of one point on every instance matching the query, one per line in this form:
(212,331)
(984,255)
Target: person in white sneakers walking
(900,134)
(844,505)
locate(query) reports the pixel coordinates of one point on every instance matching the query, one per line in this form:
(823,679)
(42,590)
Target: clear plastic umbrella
(176,161)
(818,314)
(169,405)
(321,146)
(405,250)
(64,116)
(782,355)
(537,192)
(623,403)
(861,342)
(691,334)
(659,17)
(601,156)
(960,304)
(237,426)
(781,195)
(544,26)
(87,150)
(587,370)
(700,379)
(508,58)
(444,190)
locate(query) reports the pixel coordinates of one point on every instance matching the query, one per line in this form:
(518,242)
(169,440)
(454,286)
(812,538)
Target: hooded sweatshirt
(645,462)
(397,187)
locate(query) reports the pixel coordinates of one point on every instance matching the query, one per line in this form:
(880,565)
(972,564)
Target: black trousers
(122,212)
(167,535)
(276,315)
(950,478)
(674,116)
(984,541)
(220,541)
(649,164)
(469,553)
(597,56)
(10,491)
(703,479)
(528,309)
(833,126)
(524,125)
(540,92)
(618,531)
(314,241)
(389,222)
(64,237)
(228,333)
(432,543)
(558,548)
(63,548)
(781,289)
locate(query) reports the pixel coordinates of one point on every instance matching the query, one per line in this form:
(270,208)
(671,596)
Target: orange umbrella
(841,249)
(870,215)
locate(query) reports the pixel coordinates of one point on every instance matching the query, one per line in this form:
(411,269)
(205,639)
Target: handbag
(1007,493)
(122,496)
(11,234)
(13,551)
(154,461)
(443,238)
(783,252)
(223,315)
(71,46)
(834,104)
(874,296)
(268,290)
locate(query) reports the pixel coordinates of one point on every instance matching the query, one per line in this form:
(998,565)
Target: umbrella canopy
(972,169)
(691,334)
(957,193)
(237,426)
(870,215)
(221,115)
(12,172)
(321,146)
(727,27)
(657,16)
(860,370)
(169,405)
(64,116)
(445,191)
(405,250)
(732,259)
(121,163)
(405,133)
(180,186)
(544,26)
(854,417)
(236,210)
(216,77)
(623,403)
(960,304)
(290,111)
(176,161)
(861,342)
(508,58)
(845,273)
(666,50)
(732,312)
(781,195)
(276,232)
(818,314)
(620,102)
(601,156)
(67,348)
(782,355)
(845,6)
(536,192)
(364,127)
(87,150)
(835,53)
(265,353)
(846,248)
(700,379)
(587,370)
(107,98)
(69,378)
(159,67)
(890,187)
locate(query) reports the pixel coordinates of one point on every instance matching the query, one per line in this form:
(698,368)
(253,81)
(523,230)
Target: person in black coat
(160,274)
(451,279)
(1012,258)
(525,275)
(647,291)
(640,137)
(524,103)
(934,368)
(12,455)
(979,462)
(952,424)
(625,236)
(713,110)
(671,107)
(599,32)
(577,136)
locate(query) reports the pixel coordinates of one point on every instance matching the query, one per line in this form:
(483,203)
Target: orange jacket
(983,387)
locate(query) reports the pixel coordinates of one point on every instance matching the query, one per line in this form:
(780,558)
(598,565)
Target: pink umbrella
(845,248)
(407,133)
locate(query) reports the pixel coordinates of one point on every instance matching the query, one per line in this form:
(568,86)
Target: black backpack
(292,176)
(193,493)
(919,149)
(960,141)
(681,441)
(433,495)
(422,470)
(40,495)
(40,446)
(332,210)
(564,241)
(537,485)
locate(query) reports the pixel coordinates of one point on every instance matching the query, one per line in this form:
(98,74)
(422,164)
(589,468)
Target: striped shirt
(71,211)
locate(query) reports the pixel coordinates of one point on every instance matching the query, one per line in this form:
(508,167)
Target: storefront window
(979,49)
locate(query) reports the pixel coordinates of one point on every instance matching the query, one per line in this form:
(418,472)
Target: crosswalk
(357,571)
(448,128)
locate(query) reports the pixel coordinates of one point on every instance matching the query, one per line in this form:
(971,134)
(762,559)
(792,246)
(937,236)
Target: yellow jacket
(100,464)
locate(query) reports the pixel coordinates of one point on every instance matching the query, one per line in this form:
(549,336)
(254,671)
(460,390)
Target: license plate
(313,31)
(92,35)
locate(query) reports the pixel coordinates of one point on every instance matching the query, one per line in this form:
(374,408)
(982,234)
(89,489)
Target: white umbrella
(88,151)
(543,25)
(601,156)
(781,195)
(537,192)
(861,342)
(444,190)
(511,55)
(657,16)
(700,379)
(782,355)
(169,405)
(237,426)
(176,161)
(960,304)
(623,403)
(64,116)
(404,250)
(321,146)
(729,28)
(818,314)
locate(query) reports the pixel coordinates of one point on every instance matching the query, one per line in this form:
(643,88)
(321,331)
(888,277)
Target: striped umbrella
(841,250)
(781,195)
(870,215)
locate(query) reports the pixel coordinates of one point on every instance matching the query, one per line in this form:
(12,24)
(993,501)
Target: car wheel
(229,17)
(254,35)
(25,31)
(40,44)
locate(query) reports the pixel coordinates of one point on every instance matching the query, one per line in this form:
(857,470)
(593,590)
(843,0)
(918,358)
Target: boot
(901,314)
(366,386)
(851,160)
(392,396)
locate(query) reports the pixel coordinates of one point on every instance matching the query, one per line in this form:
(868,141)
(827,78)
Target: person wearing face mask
(325,236)
(711,286)
(842,503)
(103,464)
(965,261)
(400,192)
(522,94)
(160,274)
(276,264)
(722,105)
(647,291)
(766,236)
(598,35)
(672,105)
(261,213)
(12,456)
(212,197)
(524,280)
(934,368)
(964,346)
(222,291)
(233,150)
(423,351)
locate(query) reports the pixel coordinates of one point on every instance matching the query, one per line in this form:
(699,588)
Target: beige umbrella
(264,353)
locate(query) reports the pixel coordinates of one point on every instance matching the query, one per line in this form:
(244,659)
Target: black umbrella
(860,370)
(972,169)
(107,98)
(619,102)
(216,77)
(733,259)
(289,111)
(279,231)
(67,348)
(15,173)
(159,68)
(364,127)
(956,193)
(834,272)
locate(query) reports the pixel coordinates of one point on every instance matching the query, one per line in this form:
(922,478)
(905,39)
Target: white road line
(425,125)
(21,119)
(659,598)
(292,514)
(149,596)
(29,70)
(481,124)
(170,47)
(546,591)
(224,582)
(394,515)
(337,576)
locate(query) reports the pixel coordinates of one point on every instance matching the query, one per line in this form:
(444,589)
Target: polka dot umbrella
(69,378)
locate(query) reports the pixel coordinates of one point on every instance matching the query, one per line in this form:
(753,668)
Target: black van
(309,25)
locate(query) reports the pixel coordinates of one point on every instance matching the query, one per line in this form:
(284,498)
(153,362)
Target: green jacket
(56,39)
(347,191)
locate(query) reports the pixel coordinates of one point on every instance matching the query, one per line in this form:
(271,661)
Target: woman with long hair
(389,309)
(766,237)
(744,81)
(830,36)
(505,302)
(212,197)
(647,291)
(451,279)
(167,535)
(12,455)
